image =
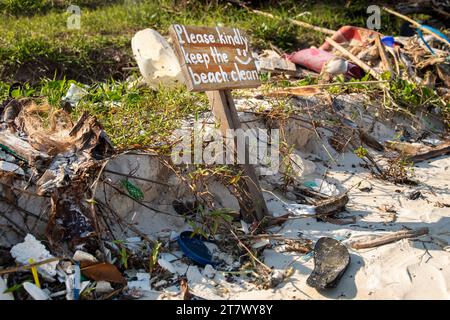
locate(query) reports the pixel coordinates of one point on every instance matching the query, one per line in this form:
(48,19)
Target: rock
(83,256)
(103,287)
(331,259)
(34,249)
(3,287)
(209,271)
(156,59)
(35,292)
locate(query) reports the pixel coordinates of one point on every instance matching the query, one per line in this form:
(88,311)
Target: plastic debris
(11,167)
(35,292)
(3,288)
(156,59)
(194,248)
(166,265)
(103,287)
(74,94)
(34,249)
(323,187)
(84,256)
(142,282)
(209,271)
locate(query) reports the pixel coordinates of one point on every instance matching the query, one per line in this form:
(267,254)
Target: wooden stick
(386,63)
(29,266)
(354,58)
(296,22)
(440,150)
(416,24)
(403,234)
(292,90)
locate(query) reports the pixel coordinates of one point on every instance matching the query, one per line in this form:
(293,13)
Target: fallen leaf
(102,272)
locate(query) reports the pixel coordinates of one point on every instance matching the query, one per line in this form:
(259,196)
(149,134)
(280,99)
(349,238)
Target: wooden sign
(214,58)
(217,60)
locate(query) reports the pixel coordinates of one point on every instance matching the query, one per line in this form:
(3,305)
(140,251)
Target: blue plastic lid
(194,248)
(388,41)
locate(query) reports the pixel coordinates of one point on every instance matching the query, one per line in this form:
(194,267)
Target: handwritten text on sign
(214,58)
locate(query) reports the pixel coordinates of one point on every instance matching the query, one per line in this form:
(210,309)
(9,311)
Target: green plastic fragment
(133,190)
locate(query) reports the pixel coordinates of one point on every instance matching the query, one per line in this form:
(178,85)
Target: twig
(403,234)
(416,24)
(137,178)
(29,266)
(293,21)
(250,252)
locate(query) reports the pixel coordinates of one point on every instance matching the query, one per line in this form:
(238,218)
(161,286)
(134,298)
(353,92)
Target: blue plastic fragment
(194,248)
(388,41)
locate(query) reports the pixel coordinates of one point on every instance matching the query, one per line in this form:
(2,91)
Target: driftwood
(403,234)
(23,149)
(440,150)
(331,206)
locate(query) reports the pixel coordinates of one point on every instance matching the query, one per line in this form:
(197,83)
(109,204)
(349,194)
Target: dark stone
(331,259)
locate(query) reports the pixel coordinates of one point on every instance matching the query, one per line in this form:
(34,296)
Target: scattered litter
(156,59)
(103,287)
(142,282)
(35,292)
(34,249)
(194,248)
(209,271)
(3,288)
(11,167)
(84,256)
(331,259)
(322,186)
(74,95)
(166,265)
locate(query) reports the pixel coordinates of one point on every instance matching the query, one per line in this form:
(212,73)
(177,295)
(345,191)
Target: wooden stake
(225,111)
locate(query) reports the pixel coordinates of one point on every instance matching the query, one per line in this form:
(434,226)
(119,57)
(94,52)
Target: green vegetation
(40,45)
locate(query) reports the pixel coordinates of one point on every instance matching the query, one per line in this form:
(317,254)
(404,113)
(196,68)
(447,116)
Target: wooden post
(224,110)
(216,60)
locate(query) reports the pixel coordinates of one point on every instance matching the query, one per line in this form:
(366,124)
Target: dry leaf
(102,272)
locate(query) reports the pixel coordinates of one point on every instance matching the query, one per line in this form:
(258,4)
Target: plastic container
(194,248)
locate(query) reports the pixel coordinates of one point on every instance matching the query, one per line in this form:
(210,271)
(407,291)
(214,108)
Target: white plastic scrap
(209,271)
(35,292)
(34,249)
(74,94)
(156,59)
(166,265)
(11,167)
(3,287)
(83,256)
(324,187)
(142,282)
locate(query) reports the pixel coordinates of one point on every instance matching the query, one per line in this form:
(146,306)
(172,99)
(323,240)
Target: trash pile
(73,227)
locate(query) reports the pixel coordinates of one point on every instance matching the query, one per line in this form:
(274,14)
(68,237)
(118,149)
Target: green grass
(41,45)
